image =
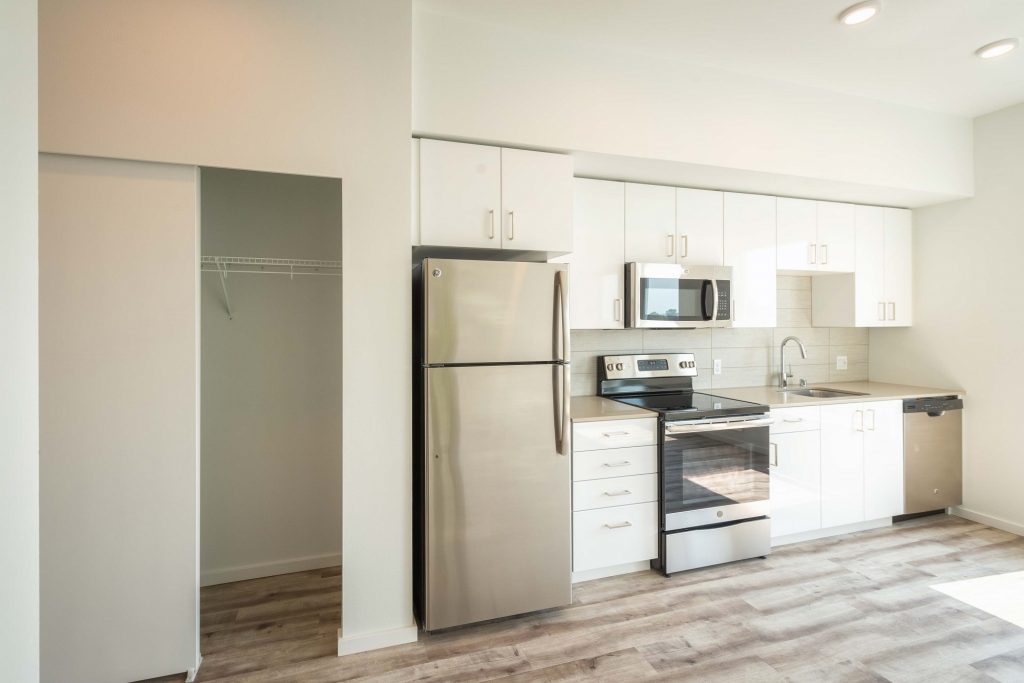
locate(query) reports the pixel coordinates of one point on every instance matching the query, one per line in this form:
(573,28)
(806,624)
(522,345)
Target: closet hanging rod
(273,266)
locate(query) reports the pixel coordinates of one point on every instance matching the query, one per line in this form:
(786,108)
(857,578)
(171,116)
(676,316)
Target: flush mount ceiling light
(861,12)
(997,49)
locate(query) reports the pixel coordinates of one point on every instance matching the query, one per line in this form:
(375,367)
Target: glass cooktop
(694,405)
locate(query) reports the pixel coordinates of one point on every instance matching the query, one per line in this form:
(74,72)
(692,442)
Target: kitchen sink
(820,393)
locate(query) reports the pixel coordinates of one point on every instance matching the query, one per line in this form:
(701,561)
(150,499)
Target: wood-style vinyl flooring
(852,608)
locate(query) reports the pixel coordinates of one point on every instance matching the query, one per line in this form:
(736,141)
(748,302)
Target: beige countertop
(874,391)
(595,408)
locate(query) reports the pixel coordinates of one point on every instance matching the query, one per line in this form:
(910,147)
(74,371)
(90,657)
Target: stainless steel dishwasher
(932,453)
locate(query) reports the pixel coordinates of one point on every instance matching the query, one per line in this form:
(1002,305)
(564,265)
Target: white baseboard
(376,640)
(831,531)
(260,570)
(605,572)
(988,520)
(190,674)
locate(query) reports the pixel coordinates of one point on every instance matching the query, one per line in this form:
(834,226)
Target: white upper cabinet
(651,224)
(596,269)
(536,201)
(899,268)
(484,197)
(699,227)
(879,293)
(815,236)
(750,248)
(836,237)
(798,233)
(460,194)
(673,225)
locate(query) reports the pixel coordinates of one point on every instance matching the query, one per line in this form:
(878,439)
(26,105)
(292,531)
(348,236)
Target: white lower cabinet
(614,496)
(795,482)
(835,465)
(613,536)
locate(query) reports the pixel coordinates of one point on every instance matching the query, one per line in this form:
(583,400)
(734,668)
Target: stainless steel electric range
(713,461)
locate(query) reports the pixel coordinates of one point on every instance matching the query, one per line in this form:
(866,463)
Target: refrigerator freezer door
(494,312)
(498,527)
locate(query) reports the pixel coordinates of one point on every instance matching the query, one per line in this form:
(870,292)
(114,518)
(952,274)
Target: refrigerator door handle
(562,399)
(562,354)
(563,424)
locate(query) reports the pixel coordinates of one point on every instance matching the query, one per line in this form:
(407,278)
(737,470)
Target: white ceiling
(916,52)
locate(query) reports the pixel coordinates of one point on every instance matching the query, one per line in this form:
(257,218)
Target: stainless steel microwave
(668,295)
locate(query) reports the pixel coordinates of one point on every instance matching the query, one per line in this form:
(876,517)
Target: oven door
(714,472)
(670,295)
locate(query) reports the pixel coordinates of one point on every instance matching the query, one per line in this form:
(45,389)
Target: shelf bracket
(222,268)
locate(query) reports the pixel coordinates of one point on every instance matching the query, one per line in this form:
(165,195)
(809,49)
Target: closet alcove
(271,367)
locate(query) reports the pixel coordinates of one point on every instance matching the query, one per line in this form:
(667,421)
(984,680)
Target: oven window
(712,469)
(672,299)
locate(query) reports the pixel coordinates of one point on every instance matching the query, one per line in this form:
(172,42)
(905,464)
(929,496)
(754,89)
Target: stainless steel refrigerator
(493,475)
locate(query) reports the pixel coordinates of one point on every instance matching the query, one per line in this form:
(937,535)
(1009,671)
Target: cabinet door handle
(881,310)
(871,412)
(620,525)
(684,246)
(812,253)
(858,420)
(774,462)
(824,254)
(792,419)
(609,435)
(492,224)
(671,246)
(623,492)
(618,310)
(511,225)
(623,463)
(892,310)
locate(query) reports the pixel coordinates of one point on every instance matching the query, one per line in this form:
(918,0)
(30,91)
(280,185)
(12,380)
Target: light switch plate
(718,366)
(841,363)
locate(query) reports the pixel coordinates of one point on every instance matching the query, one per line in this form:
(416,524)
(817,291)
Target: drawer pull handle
(618,464)
(608,435)
(792,419)
(623,492)
(620,525)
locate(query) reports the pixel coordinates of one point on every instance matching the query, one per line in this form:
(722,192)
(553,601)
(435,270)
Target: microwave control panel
(723,300)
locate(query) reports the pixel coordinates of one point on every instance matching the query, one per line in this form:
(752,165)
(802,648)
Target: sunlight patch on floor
(1001,595)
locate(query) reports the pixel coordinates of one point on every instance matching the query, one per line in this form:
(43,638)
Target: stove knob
(618,366)
(682,363)
(610,367)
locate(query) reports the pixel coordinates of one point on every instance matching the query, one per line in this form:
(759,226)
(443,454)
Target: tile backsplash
(749,355)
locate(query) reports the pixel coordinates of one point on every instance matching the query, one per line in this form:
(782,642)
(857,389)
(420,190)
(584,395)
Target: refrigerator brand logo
(436,272)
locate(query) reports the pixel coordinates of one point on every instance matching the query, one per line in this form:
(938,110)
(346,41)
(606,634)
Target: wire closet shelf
(273,266)
(222,265)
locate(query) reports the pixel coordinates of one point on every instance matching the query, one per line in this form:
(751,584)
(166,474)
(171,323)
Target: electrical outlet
(841,363)
(718,366)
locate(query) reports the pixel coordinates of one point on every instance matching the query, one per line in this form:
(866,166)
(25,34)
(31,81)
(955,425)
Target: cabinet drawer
(603,493)
(614,462)
(604,538)
(592,436)
(796,419)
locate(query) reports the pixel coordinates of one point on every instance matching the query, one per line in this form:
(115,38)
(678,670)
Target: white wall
(119,361)
(478,81)
(968,320)
(19,380)
(317,87)
(271,380)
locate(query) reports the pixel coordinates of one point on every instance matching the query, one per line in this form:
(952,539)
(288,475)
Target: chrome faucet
(783,375)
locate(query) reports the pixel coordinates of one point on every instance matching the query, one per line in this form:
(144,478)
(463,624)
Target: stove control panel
(648,365)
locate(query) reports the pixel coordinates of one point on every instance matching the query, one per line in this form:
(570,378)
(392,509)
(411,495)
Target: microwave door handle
(704,300)
(714,302)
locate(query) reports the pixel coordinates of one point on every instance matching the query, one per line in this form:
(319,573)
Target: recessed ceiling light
(998,48)
(861,12)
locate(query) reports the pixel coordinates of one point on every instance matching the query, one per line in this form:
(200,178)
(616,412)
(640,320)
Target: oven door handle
(717,426)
